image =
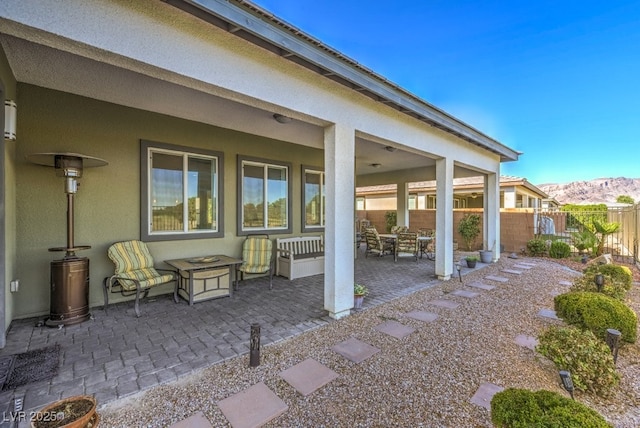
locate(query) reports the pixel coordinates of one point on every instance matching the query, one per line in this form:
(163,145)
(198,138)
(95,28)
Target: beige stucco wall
(9,83)
(107,202)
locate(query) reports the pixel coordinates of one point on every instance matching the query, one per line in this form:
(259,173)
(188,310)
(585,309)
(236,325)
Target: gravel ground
(425,379)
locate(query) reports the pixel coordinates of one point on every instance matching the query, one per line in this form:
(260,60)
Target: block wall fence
(516,227)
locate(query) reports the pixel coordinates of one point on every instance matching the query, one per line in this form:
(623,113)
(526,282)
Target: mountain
(597,191)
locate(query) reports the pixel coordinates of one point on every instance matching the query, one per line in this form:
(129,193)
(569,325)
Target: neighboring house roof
(248,21)
(458,184)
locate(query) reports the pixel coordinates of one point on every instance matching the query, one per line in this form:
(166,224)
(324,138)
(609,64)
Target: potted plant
(469,229)
(359,291)
(486,256)
(471,261)
(77,411)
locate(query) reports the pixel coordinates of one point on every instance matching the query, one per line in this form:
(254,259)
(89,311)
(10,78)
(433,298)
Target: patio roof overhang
(262,28)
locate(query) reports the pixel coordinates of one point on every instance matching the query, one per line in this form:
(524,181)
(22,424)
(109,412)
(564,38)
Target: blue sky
(556,80)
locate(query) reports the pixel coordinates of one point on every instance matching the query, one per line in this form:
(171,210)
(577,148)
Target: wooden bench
(300,256)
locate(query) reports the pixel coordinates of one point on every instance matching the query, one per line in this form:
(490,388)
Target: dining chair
(375,245)
(407,243)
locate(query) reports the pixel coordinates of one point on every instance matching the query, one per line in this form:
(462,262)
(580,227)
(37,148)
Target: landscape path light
(459,269)
(567,383)
(613,340)
(599,279)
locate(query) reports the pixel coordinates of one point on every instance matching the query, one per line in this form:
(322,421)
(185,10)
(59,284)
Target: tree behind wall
(391,219)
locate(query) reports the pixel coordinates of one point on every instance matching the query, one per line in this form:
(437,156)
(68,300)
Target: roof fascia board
(356,74)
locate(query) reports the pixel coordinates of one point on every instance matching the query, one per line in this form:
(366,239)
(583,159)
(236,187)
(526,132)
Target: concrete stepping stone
(496,278)
(422,316)
(198,420)
(512,271)
(465,293)
(526,341)
(308,376)
(484,394)
(444,303)
(253,407)
(566,283)
(528,264)
(548,313)
(355,350)
(523,266)
(395,329)
(480,285)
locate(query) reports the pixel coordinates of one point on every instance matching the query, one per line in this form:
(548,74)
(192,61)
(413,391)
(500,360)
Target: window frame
(320,171)
(146,147)
(240,231)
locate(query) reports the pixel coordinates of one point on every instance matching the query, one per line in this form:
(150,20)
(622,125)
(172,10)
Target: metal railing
(565,225)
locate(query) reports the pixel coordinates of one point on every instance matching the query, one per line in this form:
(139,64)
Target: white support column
(491,223)
(509,197)
(444,218)
(402,203)
(339,235)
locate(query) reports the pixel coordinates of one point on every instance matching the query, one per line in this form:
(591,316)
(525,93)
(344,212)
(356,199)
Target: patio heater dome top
(49,159)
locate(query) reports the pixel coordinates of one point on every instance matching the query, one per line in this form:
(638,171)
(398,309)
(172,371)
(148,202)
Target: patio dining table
(422,243)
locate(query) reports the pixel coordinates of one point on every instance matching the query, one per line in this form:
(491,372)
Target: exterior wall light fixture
(10,119)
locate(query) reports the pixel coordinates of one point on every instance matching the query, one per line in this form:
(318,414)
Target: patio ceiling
(63,70)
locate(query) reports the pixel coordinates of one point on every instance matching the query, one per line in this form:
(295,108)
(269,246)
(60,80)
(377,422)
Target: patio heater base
(69,292)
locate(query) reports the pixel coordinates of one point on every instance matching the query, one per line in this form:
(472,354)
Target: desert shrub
(584,355)
(515,408)
(612,272)
(617,280)
(559,250)
(597,312)
(536,247)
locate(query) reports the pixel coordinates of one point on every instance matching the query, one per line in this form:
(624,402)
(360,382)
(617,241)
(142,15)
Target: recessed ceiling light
(376,165)
(390,149)
(280,118)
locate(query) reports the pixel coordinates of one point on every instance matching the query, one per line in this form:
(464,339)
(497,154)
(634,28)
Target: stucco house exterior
(468,192)
(142,84)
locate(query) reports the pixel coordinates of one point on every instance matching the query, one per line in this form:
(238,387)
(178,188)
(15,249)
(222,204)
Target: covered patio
(115,354)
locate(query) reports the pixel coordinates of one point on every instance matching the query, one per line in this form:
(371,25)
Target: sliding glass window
(181,193)
(264,201)
(313,207)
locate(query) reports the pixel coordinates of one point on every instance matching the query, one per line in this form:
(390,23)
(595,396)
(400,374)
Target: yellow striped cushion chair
(257,252)
(256,255)
(133,260)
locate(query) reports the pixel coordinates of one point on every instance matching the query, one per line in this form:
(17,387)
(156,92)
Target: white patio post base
(341,314)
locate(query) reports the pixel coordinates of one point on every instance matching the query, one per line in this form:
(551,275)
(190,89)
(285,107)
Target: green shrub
(559,250)
(597,312)
(587,357)
(515,408)
(611,272)
(536,247)
(617,280)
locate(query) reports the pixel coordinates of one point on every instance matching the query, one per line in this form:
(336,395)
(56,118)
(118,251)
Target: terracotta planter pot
(73,412)
(357,301)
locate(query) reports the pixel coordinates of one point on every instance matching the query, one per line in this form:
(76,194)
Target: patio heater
(69,302)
